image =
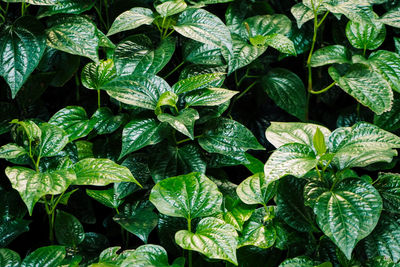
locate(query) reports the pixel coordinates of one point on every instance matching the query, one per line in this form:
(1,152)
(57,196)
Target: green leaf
(282,133)
(106,122)
(329,55)
(140,91)
(11,229)
(388,186)
(45,256)
(366,86)
(170,7)
(213,237)
(12,151)
(290,159)
(389,121)
(149,255)
(348,213)
(131,19)
(362,145)
(171,161)
(387,64)
(22,45)
(363,35)
(66,6)
(34,2)
(139,221)
(281,43)
(290,205)
(196,82)
(236,213)
(9,258)
(106,197)
(202,54)
(358,11)
(209,97)
(255,165)
(302,261)
(138,55)
(302,14)
(53,140)
(69,231)
(183,122)
(139,133)
(73,34)
(254,190)
(33,185)
(225,136)
(391,18)
(95,75)
(188,196)
(166,99)
(287,90)
(267,25)
(319,142)
(74,121)
(101,172)
(385,239)
(257,232)
(203,26)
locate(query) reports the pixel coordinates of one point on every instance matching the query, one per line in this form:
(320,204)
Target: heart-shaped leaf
(131,19)
(150,255)
(363,35)
(329,55)
(106,122)
(183,122)
(95,75)
(9,258)
(45,256)
(69,231)
(254,190)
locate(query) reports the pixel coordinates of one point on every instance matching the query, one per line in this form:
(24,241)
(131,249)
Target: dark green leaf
(45,256)
(387,64)
(9,258)
(66,6)
(94,76)
(183,122)
(388,186)
(363,35)
(106,122)
(69,231)
(53,140)
(196,82)
(106,197)
(329,55)
(9,230)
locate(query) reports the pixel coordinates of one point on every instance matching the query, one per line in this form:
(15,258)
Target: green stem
(100,16)
(246,90)
(323,90)
(188,139)
(107,15)
(171,32)
(189,222)
(175,69)
(98,98)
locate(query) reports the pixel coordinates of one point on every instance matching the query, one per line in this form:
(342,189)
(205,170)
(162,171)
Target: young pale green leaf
(361,145)
(213,237)
(33,185)
(139,133)
(12,151)
(267,25)
(74,121)
(196,82)
(45,256)
(94,75)
(391,18)
(106,122)
(366,86)
(209,97)
(53,140)
(22,45)
(149,255)
(329,55)
(387,64)
(106,197)
(170,7)
(138,55)
(69,231)
(183,122)
(166,99)
(388,186)
(385,239)
(290,159)
(302,14)
(188,196)
(225,136)
(139,221)
(30,129)
(348,212)
(236,213)
(93,171)
(131,19)
(363,35)
(140,91)
(287,90)
(9,258)
(243,53)
(203,26)
(319,142)
(290,205)
(34,2)
(282,133)
(389,121)
(257,232)
(281,43)
(171,161)
(66,7)
(73,34)
(254,190)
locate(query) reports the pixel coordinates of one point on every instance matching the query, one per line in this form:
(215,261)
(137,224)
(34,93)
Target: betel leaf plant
(199,133)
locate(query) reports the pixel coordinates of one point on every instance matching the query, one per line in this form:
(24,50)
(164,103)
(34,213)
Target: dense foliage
(199,133)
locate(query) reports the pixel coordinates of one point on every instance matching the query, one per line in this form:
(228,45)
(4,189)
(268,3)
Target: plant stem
(246,90)
(188,139)
(323,90)
(98,98)
(175,69)
(189,222)
(107,16)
